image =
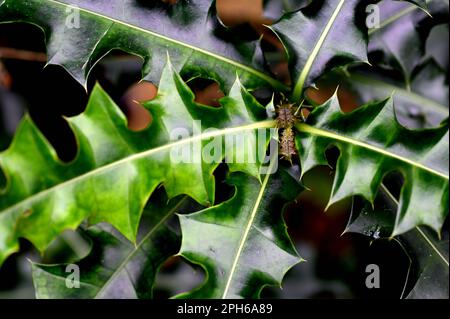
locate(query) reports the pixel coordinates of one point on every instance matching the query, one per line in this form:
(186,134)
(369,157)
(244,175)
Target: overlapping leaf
(421,98)
(80,32)
(242,243)
(115,268)
(373,143)
(274,9)
(428,273)
(425,104)
(320,36)
(399,37)
(116,169)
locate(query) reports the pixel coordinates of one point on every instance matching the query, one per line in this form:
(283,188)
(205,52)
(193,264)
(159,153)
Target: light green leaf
(115,268)
(117,169)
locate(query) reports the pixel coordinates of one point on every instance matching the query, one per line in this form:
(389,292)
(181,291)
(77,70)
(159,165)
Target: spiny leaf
(421,99)
(317,36)
(115,268)
(372,143)
(116,169)
(403,51)
(424,105)
(197,41)
(400,37)
(242,243)
(427,253)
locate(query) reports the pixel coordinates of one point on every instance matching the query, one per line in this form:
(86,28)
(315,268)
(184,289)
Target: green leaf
(320,36)
(405,51)
(424,105)
(371,144)
(420,3)
(399,37)
(242,243)
(115,268)
(421,99)
(190,31)
(428,254)
(117,169)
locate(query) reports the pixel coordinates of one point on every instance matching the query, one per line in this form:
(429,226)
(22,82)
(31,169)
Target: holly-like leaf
(242,243)
(318,37)
(400,36)
(80,32)
(371,144)
(428,274)
(425,104)
(397,37)
(115,268)
(117,169)
(431,258)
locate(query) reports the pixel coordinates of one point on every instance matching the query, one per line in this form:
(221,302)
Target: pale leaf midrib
(37,196)
(409,95)
(312,57)
(275,83)
(246,232)
(397,16)
(417,228)
(302,127)
(124,263)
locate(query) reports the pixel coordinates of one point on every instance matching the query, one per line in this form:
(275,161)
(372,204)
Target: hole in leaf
(116,73)
(119,74)
(263,95)
(394,181)
(53,94)
(68,247)
(25,43)
(223,190)
(207,91)
(177,276)
(325,90)
(138,117)
(332,154)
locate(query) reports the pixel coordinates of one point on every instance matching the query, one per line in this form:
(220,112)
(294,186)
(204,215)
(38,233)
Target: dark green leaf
(371,144)
(424,105)
(428,254)
(190,31)
(117,169)
(115,268)
(398,38)
(317,35)
(242,243)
